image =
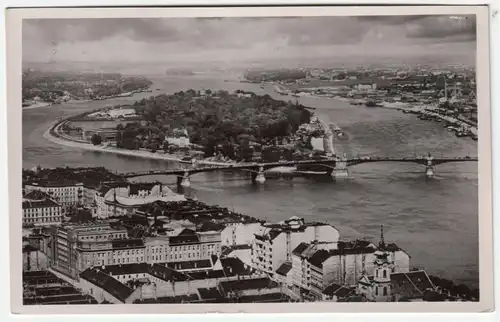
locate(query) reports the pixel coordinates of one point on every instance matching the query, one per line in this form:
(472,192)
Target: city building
(274,243)
(179,138)
(40,210)
(64,192)
(184,247)
(317,265)
(239,233)
(34,259)
(125,199)
(386,286)
(79,246)
(45,288)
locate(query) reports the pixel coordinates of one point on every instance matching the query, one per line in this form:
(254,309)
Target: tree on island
(96,139)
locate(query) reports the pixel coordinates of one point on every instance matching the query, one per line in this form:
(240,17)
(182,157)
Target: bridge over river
(337,167)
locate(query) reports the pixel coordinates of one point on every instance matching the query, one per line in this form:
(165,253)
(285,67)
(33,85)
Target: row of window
(42,220)
(105,237)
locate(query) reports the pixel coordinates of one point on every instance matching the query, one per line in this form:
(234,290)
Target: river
(434,220)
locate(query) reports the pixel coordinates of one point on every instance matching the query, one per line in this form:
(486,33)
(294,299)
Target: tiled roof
(156,270)
(234,266)
(248,284)
(169,299)
(265,298)
(319,257)
(107,283)
(284,269)
(299,249)
(29,248)
(205,263)
(36,195)
(208,274)
(29,204)
(127,243)
(354,247)
(412,284)
(184,240)
(331,289)
(210,293)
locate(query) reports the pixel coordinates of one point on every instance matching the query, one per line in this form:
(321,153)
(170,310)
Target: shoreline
(103,148)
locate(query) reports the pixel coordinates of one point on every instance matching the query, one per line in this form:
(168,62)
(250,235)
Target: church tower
(382,272)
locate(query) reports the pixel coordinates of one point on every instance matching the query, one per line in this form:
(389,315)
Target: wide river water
(434,220)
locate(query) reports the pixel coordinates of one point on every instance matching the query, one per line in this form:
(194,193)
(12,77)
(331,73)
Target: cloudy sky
(246,39)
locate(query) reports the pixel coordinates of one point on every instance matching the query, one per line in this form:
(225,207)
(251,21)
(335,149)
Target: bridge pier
(184,180)
(429,171)
(340,170)
(259,177)
(429,168)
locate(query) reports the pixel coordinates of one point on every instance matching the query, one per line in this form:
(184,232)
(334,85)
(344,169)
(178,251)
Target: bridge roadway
(330,165)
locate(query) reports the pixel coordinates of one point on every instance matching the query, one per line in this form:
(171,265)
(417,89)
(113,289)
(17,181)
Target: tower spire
(382,242)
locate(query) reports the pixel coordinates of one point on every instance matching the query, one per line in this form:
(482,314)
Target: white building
(318,265)
(180,138)
(240,233)
(274,243)
(386,285)
(66,194)
(34,259)
(41,212)
(125,199)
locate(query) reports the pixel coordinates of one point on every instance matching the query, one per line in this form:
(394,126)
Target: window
(385,273)
(385,291)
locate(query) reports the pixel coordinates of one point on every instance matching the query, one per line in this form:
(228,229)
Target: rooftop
(412,284)
(107,283)
(248,284)
(210,293)
(29,204)
(127,243)
(159,271)
(338,290)
(36,195)
(170,299)
(284,269)
(196,264)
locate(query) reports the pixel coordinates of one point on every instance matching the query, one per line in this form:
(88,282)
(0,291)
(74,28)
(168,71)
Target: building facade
(69,194)
(273,245)
(45,212)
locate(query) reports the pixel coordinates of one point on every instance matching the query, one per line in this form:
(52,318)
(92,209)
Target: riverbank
(37,105)
(53,135)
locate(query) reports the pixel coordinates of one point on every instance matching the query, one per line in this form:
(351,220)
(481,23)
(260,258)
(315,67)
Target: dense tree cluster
(96,139)
(223,121)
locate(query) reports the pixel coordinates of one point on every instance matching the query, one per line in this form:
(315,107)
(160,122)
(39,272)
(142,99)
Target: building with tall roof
(39,209)
(386,286)
(123,199)
(274,243)
(317,265)
(79,246)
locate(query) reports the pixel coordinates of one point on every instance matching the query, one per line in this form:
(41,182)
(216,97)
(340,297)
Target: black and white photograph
(251,159)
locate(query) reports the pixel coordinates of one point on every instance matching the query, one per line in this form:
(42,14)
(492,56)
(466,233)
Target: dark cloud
(239,32)
(68,30)
(391,20)
(460,27)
